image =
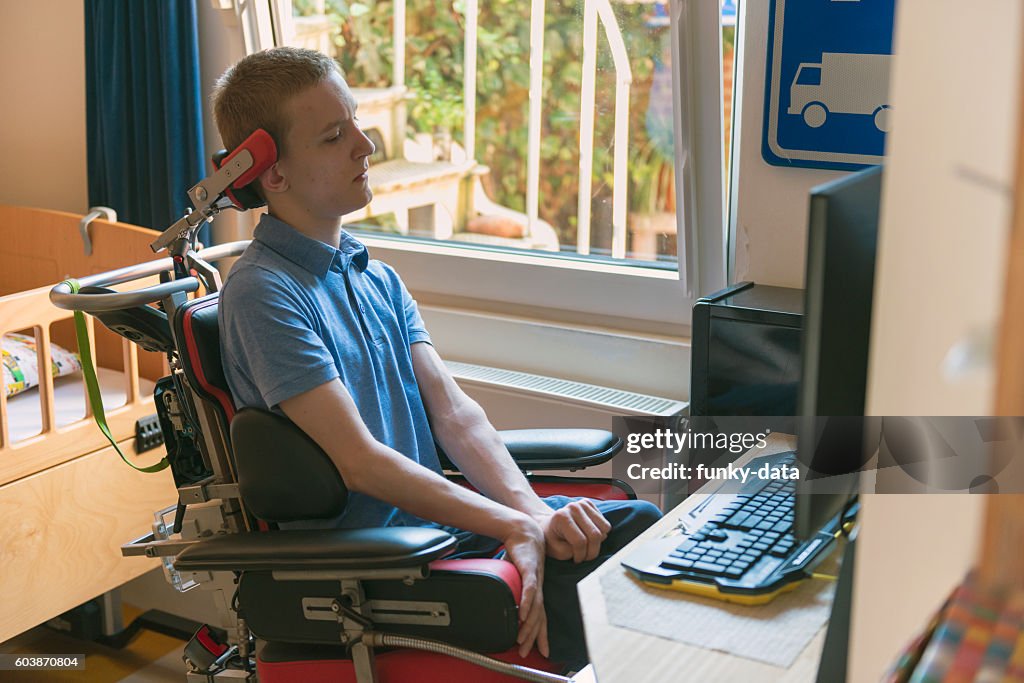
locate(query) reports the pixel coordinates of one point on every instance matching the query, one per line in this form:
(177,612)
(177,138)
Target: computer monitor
(839,285)
(745,353)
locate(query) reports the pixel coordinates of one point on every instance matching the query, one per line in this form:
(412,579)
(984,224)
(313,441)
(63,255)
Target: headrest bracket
(211,195)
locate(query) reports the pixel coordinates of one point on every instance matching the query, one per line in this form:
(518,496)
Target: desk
(622,655)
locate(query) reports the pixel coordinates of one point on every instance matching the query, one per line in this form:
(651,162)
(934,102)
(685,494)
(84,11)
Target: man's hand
(574,532)
(524,548)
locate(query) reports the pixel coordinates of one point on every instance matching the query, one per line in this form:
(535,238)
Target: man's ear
(272,180)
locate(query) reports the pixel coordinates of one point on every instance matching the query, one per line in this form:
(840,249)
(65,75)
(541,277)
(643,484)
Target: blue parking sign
(728,12)
(827,83)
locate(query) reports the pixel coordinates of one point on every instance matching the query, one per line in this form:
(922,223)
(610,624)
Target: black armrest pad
(317,549)
(553,449)
(560,449)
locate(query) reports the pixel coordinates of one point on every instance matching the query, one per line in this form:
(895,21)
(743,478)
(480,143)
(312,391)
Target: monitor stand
(837,639)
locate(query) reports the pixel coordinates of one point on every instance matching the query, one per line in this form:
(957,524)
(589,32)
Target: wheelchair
(365,605)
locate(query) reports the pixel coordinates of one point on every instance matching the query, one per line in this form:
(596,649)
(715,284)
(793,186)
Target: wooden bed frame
(67,502)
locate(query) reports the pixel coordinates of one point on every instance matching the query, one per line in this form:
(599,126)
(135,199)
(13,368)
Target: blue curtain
(144,109)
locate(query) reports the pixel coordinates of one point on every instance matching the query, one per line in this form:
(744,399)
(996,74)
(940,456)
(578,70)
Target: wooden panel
(1002,562)
(46,450)
(62,531)
(41,247)
(1010,383)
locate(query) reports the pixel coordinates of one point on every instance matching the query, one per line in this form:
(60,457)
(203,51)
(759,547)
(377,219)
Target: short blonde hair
(252,93)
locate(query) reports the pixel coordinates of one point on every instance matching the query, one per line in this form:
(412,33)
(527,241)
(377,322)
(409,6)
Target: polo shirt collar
(307,253)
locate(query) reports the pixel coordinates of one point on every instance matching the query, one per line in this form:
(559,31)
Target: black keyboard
(745,552)
(754,525)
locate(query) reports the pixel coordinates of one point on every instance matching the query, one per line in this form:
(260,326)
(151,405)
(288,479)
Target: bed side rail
(30,313)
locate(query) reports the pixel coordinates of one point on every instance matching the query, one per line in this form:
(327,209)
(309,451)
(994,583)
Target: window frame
(647,295)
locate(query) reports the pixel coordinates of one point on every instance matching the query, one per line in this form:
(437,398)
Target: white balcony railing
(595,13)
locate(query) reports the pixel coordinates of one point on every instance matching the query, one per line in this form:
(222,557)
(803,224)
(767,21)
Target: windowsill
(544,259)
(563,290)
(601,324)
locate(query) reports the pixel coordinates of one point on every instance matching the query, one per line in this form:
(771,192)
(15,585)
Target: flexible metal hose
(388,640)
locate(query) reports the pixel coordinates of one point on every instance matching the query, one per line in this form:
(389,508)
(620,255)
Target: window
(486,153)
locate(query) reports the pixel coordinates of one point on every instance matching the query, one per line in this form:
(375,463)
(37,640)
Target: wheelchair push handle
(62,296)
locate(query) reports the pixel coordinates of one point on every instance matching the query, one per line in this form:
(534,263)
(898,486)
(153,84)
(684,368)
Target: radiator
(520,400)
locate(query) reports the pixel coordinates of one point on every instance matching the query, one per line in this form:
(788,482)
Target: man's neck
(326,231)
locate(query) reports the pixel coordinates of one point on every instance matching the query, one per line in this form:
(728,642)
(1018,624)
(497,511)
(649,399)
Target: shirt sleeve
(413,319)
(270,340)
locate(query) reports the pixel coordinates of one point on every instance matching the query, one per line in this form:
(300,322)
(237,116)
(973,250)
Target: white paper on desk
(740,630)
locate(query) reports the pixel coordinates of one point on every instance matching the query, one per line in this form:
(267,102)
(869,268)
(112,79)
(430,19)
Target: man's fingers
(583,520)
(597,517)
(528,635)
(526,600)
(559,548)
(571,532)
(593,536)
(531,629)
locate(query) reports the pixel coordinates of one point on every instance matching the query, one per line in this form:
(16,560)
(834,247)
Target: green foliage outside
(435,31)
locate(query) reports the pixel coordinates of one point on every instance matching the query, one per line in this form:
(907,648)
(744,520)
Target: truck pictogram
(842,83)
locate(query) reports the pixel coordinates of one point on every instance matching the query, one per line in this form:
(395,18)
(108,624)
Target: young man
(314,329)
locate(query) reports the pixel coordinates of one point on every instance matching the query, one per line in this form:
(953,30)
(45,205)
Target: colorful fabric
(1003,661)
(910,657)
(980,639)
(21,365)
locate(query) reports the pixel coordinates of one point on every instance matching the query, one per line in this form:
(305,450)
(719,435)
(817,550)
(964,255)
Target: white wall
(42,119)
(944,227)
(947,204)
(768,216)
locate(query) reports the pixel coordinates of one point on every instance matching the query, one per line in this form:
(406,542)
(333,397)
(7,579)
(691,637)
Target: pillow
(21,371)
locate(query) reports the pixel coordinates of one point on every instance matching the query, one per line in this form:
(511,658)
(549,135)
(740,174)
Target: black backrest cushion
(283,475)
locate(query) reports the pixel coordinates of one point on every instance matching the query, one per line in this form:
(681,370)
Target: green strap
(93,386)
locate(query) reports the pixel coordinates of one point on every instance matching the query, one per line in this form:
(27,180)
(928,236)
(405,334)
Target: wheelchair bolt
(201,193)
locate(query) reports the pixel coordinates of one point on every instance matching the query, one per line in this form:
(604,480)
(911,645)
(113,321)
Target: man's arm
(471,442)
(329,416)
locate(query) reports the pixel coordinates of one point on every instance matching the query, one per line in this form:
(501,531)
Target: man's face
(327,155)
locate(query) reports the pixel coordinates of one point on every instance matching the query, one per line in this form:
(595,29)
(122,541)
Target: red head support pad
(264,154)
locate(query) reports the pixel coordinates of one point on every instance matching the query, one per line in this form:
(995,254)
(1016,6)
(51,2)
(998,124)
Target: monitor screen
(746,352)
(746,382)
(839,285)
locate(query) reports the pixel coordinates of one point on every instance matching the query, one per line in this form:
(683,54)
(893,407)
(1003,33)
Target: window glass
(517,182)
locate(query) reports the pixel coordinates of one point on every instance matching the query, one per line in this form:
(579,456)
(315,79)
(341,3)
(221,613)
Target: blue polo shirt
(296,313)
